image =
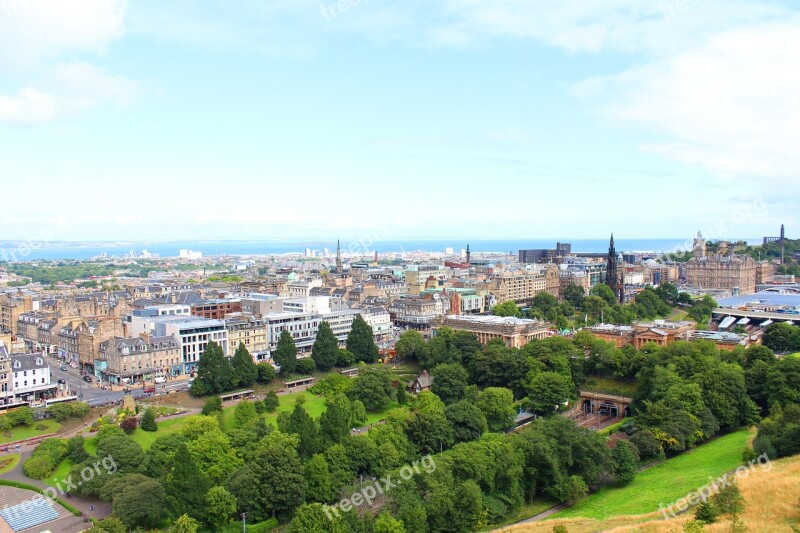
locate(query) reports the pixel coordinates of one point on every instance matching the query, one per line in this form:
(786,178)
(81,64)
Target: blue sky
(446,118)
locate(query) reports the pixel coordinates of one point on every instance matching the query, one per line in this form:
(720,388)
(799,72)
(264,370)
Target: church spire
(339,268)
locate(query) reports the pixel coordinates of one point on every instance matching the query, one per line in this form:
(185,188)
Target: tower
(699,246)
(468,254)
(339,268)
(783,243)
(612,276)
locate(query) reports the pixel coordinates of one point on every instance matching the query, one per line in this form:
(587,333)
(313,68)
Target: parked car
(63,368)
(87,379)
(160,379)
(149,389)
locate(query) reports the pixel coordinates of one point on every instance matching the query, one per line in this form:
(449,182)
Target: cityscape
(374,266)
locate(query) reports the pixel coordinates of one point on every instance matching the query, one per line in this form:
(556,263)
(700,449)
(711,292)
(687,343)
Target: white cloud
(729,106)
(36,35)
(29,106)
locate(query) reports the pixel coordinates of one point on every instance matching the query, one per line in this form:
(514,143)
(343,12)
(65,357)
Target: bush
(45,458)
(66,410)
(149,420)
(40,427)
(38,467)
(266,372)
(108,431)
(212,405)
(129,425)
(305,366)
(271,401)
(21,416)
(76,451)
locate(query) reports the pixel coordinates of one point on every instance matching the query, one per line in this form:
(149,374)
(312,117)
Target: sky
(287,119)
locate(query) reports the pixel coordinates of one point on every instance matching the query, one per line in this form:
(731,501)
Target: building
(515,332)
(418,313)
(247,330)
(379,320)
(421,383)
(735,273)
(138,359)
(416,277)
(11,307)
(193,334)
(541,255)
(217,308)
(660,332)
(90,334)
(6,384)
(522,285)
(304,326)
(725,340)
(31,377)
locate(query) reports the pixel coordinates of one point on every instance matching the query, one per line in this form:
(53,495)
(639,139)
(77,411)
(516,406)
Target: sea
(19,251)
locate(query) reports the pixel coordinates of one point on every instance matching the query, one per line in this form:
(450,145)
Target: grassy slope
(771,497)
(666,482)
(11,462)
(610,386)
(29,432)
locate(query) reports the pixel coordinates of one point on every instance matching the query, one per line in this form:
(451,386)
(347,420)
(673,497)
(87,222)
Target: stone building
(514,332)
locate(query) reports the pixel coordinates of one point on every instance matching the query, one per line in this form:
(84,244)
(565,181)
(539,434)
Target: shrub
(129,425)
(271,401)
(21,416)
(76,451)
(305,366)
(38,467)
(212,405)
(66,410)
(40,427)
(266,372)
(149,420)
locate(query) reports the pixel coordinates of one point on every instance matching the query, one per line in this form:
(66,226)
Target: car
(62,381)
(160,379)
(87,379)
(64,368)
(149,389)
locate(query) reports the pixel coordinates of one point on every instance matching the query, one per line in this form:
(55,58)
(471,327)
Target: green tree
(360,341)
(497,405)
(305,366)
(266,372)
(280,485)
(220,507)
(184,524)
(140,505)
(706,512)
(149,420)
(410,345)
(466,420)
(508,308)
(547,390)
(401,394)
(449,382)
(573,294)
(624,462)
(325,351)
(604,291)
(244,369)
(373,387)
(337,420)
(244,412)
(212,405)
(345,358)
(127,453)
(778,337)
(214,372)
(729,499)
(271,401)
(214,455)
(318,480)
(111,524)
(386,523)
(311,518)
(285,355)
(185,486)
(302,425)
(158,460)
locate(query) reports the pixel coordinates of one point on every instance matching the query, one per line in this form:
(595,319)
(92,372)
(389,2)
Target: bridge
(605,404)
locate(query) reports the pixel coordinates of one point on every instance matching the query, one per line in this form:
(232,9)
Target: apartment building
(247,330)
(30,377)
(193,334)
(138,359)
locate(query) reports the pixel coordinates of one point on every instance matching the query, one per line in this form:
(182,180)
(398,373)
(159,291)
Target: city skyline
(306,120)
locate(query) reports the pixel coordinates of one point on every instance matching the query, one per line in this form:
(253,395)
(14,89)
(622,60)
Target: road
(93,394)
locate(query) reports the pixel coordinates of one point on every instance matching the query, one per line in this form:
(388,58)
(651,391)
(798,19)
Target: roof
(31,361)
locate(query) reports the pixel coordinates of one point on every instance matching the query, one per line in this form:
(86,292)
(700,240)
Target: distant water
(56,251)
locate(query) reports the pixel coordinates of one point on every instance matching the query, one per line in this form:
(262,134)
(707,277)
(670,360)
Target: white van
(161,379)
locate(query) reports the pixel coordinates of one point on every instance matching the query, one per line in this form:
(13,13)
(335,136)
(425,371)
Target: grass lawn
(665,483)
(29,432)
(145,438)
(677,315)
(610,386)
(795,355)
(59,474)
(9,462)
(314,406)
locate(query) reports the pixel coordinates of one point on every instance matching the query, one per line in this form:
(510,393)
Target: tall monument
(612,275)
(339,268)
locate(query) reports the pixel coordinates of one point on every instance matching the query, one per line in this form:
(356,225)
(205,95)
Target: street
(93,394)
